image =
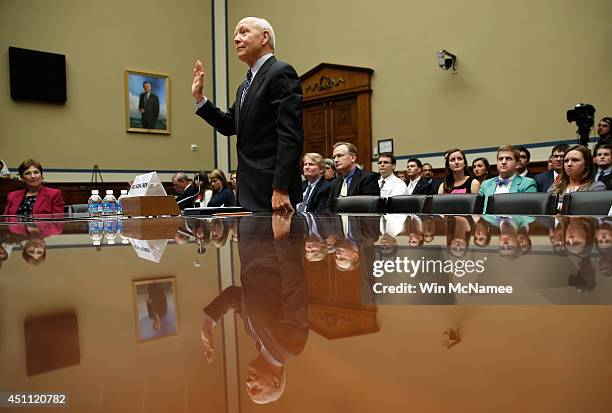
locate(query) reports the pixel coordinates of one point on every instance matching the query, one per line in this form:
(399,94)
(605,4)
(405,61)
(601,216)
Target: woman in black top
(222,193)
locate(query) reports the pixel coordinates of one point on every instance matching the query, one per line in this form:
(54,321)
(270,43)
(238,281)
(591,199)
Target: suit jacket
(48,201)
(319,198)
(544,180)
(519,184)
(435,184)
(606,180)
(151,110)
(362,183)
(187,198)
(422,188)
(270,135)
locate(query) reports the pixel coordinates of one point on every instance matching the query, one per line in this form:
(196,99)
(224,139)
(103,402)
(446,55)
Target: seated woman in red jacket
(35,198)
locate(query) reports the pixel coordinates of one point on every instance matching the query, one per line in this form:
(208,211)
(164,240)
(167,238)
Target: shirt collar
(315,182)
(350,175)
(259,63)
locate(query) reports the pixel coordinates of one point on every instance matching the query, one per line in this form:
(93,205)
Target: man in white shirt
(390,185)
(416,185)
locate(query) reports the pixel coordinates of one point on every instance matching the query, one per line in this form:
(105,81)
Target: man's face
(179,185)
(427,171)
(603,158)
(506,164)
(344,160)
(522,162)
(413,170)
(603,128)
(250,42)
(311,170)
(261,383)
(385,167)
(147,87)
(557,160)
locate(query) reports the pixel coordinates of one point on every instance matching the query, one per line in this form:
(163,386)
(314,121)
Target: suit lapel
(354,182)
(40,198)
(516,182)
(257,81)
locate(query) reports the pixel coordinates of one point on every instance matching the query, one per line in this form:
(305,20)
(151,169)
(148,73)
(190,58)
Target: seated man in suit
(427,175)
(185,192)
(507,181)
(603,160)
(315,190)
(390,185)
(545,179)
(416,184)
(522,166)
(351,180)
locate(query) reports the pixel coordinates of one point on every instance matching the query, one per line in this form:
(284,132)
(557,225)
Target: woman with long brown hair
(222,193)
(457,175)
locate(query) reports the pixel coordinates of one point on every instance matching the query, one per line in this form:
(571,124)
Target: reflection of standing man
(148,105)
(266,117)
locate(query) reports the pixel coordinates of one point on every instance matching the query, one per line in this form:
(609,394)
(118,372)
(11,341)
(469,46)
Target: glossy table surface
(309,313)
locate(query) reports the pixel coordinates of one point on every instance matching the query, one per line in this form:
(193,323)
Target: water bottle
(96,230)
(120,200)
(110,230)
(94,204)
(109,203)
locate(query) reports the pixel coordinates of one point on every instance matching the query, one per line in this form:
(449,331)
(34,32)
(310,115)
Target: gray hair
(263,26)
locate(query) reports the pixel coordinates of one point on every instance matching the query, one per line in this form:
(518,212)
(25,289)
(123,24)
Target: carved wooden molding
(332,320)
(325,83)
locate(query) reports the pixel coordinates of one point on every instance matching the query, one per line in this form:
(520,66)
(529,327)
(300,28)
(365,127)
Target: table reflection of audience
(34,248)
(482,232)
(458,234)
(272,301)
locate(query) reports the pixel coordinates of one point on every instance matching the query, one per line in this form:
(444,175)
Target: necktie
(382,183)
(501,182)
(304,204)
(344,189)
(247,85)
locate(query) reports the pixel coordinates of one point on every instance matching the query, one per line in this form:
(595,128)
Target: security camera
(446,60)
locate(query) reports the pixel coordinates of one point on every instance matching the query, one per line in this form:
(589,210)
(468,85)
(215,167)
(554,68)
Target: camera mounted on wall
(584,116)
(446,60)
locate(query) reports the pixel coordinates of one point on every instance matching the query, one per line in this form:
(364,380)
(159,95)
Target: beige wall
(100,41)
(521,64)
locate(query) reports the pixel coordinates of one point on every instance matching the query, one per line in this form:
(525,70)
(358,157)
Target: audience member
(458,234)
(4,170)
(416,185)
(603,130)
(35,198)
(480,169)
(522,166)
(222,194)
(401,175)
(549,164)
(457,176)
(330,170)
(507,181)
(428,176)
(202,184)
(545,179)
(234,183)
(185,191)
(577,173)
(315,190)
(603,161)
(351,179)
(390,185)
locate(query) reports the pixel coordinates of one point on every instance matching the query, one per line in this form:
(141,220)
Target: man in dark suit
(272,300)
(522,166)
(315,189)
(267,119)
(148,105)
(416,184)
(427,175)
(545,179)
(351,180)
(185,191)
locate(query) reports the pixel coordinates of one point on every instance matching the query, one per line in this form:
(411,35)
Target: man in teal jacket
(507,181)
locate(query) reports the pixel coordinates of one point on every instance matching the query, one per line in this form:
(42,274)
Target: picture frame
(385,146)
(147,110)
(155,308)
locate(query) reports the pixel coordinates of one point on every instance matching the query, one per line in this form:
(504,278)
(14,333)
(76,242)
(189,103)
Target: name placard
(147,185)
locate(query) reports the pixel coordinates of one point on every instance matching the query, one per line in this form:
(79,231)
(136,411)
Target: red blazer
(48,201)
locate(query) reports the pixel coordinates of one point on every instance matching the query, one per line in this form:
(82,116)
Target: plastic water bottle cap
(95,192)
(109,192)
(96,243)
(110,241)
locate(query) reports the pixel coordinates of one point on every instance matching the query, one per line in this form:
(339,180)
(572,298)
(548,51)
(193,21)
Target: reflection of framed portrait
(385,146)
(156,308)
(147,102)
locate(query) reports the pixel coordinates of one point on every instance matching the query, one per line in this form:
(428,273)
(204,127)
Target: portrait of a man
(147,102)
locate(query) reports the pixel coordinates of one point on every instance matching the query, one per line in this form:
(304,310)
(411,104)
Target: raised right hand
(197,87)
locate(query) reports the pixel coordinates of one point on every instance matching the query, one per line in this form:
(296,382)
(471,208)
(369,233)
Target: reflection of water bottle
(120,200)
(96,229)
(110,230)
(94,204)
(109,203)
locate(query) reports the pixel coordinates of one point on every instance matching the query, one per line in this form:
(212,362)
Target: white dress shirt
(393,186)
(411,185)
(503,189)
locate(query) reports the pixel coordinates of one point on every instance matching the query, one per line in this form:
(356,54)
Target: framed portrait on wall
(147,102)
(155,308)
